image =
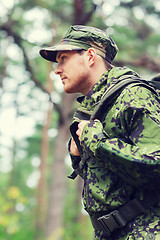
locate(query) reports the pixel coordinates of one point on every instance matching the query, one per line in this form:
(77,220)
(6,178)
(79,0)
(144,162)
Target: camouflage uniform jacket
(124,160)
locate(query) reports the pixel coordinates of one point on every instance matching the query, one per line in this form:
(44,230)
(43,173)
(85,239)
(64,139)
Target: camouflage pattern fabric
(80,37)
(126,162)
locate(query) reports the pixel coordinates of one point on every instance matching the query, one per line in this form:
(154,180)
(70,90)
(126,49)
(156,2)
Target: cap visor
(51,52)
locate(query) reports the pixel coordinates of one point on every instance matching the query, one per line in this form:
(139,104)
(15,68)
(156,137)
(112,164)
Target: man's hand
(73,148)
(80,128)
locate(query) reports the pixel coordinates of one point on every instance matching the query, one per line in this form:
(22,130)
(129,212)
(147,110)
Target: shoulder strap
(115,89)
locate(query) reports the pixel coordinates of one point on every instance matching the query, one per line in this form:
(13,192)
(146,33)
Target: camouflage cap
(80,37)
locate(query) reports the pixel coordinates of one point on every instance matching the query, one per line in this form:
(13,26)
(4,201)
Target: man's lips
(63,79)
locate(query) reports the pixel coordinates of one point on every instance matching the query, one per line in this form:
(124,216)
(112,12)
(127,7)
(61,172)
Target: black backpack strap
(83,156)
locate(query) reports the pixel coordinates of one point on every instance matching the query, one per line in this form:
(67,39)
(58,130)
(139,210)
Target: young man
(118,154)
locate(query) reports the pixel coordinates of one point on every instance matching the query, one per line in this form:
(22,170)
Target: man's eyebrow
(59,55)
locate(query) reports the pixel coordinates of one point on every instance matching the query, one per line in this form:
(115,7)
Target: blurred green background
(37,200)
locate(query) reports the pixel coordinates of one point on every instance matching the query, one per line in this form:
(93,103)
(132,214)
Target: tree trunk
(42,190)
(54,226)
(42,185)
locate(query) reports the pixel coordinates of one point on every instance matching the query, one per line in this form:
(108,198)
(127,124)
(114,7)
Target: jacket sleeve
(136,159)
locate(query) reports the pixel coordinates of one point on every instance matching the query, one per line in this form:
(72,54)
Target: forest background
(37,201)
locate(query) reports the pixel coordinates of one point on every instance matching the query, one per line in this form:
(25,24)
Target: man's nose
(58,69)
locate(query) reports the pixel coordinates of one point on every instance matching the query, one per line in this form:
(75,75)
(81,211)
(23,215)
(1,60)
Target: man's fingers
(73,148)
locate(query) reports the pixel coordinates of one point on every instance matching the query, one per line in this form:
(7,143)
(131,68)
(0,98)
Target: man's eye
(63,58)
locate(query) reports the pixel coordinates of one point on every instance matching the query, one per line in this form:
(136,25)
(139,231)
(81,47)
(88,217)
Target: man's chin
(69,90)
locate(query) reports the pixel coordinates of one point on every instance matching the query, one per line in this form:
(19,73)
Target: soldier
(118,153)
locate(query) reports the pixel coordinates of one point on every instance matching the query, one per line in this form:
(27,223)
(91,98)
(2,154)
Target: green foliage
(14,215)
(76,225)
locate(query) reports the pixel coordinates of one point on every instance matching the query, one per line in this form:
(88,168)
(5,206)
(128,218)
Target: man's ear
(91,53)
